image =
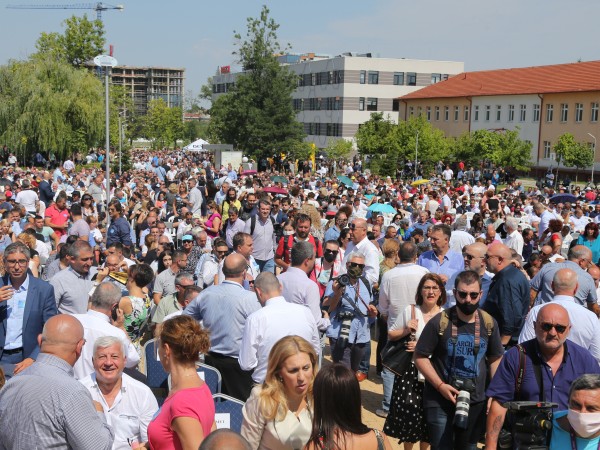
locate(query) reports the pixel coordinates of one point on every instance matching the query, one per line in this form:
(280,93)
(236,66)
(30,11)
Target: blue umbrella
(562,198)
(343,179)
(384,208)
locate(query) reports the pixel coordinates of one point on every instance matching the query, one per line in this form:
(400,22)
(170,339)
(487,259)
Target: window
(419,111)
(476,113)
(317,128)
(361,104)
(395,105)
(488,112)
(313,79)
(412,78)
(411,111)
(318,104)
(436,78)
(594,113)
(373,77)
(428,113)
(511,113)
(446,113)
(363,75)
(398,78)
(466,113)
(547,148)
(549,112)
(536,113)
(498,113)
(437,113)
(456,113)
(564,112)
(522,112)
(371,104)
(578,112)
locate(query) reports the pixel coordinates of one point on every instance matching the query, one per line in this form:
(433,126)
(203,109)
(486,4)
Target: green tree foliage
(163,125)
(338,149)
(82,40)
(256,115)
(572,153)
(48,105)
(194,130)
(511,151)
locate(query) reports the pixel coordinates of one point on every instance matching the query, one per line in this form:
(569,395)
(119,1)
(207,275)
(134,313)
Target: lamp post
(593,158)
(416,153)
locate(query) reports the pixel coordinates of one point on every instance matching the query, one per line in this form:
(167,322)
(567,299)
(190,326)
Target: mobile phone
(113,312)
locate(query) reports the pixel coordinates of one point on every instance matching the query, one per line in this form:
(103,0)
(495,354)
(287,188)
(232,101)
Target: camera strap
(537,371)
(574,441)
(454,338)
(357,297)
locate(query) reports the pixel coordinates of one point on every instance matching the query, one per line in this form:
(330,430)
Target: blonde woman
(34,261)
(5,234)
(278,414)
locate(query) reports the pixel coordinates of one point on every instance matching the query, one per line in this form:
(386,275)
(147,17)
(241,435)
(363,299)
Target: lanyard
(574,441)
(454,340)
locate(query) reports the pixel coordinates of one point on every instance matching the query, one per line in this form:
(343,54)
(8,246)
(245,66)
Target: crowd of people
(490,288)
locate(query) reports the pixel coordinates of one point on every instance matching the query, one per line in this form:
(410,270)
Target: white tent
(196,146)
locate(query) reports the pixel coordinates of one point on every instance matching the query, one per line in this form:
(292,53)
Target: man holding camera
(541,369)
(348,299)
(464,345)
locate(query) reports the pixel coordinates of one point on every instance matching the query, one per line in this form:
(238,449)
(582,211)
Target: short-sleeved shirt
(28,200)
(166,306)
(165,282)
(459,359)
(80,228)
(453,262)
(359,328)
(57,217)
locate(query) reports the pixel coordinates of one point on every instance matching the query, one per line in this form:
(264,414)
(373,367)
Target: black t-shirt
(459,360)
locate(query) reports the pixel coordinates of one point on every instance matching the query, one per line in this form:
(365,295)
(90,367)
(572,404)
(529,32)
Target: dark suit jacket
(46,194)
(40,305)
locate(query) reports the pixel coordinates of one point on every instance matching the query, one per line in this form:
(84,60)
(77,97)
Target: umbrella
(562,198)
(279,179)
(249,172)
(384,208)
(343,179)
(419,182)
(275,190)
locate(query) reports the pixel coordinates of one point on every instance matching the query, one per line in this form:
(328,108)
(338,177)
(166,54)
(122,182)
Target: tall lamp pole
(416,154)
(593,158)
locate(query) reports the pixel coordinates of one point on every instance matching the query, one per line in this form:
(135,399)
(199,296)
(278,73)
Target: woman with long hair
(212,224)
(405,420)
(589,238)
(34,262)
(278,414)
(337,423)
(188,414)
(230,200)
(165,259)
(136,305)
(87,206)
(5,234)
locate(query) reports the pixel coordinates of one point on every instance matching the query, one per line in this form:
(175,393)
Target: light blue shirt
(16,312)
(359,328)
(332,233)
(561,439)
(453,262)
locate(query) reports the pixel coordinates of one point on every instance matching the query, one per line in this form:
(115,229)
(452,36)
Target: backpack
(487,320)
(286,249)
(253,224)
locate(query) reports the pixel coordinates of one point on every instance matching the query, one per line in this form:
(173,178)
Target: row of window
(365,77)
(318,104)
(579,112)
(222,88)
(323,129)
(321,78)
(548,148)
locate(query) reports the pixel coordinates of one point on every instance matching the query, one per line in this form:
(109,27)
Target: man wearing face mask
(579,426)
(328,267)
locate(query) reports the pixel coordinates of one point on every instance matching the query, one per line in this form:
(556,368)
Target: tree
(195,129)
(338,149)
(572,153)
(47,105)
(82,40)
(372,139)
(256,115)
(512,151)
(162,124)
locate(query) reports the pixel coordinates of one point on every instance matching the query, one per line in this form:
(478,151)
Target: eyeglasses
(221,252)
(353,264)
(14,262)
(353,226)
(187,242)
(560,329)
(469,257)
(331,252)
(464,294)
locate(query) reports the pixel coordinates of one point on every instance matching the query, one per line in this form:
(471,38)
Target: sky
(198,34)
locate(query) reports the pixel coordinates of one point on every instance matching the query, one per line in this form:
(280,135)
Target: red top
(193,402)
(57,217)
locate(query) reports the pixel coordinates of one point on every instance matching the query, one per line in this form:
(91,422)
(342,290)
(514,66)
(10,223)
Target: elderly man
(201,245)
(441,259)
(164,283)
(514,240)
(233,225)
(30,403)
(508,297)
(207,269)
(173,302)
(223,310)
(99,321)
(26,304)
(359,243)
(72,285)
(129,404)
(460,237)
(558,361)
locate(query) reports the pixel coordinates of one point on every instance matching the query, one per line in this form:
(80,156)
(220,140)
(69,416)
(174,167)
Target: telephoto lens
(461,416)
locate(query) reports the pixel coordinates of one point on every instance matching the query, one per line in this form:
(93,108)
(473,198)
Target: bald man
(47,390)
(474,259)
(508,298)
(359,243)
(561,362)
(225,439)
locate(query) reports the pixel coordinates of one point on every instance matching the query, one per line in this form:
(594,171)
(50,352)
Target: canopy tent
(195,146)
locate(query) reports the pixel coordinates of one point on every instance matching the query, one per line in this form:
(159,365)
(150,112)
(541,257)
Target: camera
(461,416)
(343,280)
(463,384)
(345,319)
(529,425)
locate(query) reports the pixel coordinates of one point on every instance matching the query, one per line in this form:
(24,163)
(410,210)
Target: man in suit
(26,304)
(45,188)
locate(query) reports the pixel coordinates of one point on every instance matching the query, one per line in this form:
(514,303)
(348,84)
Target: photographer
(550,364)
(465,349)
(348,299)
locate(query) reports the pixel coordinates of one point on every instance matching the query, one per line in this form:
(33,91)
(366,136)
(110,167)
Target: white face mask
(584,424)
(288,233)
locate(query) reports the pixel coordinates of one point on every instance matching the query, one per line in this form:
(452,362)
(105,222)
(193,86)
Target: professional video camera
(530,426)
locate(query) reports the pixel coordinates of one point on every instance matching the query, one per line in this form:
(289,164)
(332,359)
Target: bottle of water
(461,416)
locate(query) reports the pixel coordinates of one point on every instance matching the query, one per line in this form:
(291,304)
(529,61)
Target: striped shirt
(45,407)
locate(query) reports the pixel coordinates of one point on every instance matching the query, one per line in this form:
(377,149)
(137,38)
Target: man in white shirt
(128,405)
(514,240)
(97,323)
(459,237)
(361,244)
(28,198)
(275,320)
(578,220)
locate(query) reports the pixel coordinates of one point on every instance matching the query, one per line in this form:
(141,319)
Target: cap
(187,237)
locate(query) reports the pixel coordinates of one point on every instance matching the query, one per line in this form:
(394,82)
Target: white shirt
(585,327)
(131,412)
(398,289)
(515,242)
(578,223)
(545,219)
(266,326)
(27,199)
(371,253)
(458,239)
(96,324)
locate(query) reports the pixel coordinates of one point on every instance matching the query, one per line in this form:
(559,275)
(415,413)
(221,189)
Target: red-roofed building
(543,102)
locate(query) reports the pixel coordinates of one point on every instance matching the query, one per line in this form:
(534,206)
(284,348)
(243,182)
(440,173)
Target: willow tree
(47,105)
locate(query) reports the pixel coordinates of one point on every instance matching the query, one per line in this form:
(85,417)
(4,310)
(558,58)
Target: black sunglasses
(560,329)
(463,294)
(353,264)
(334,252)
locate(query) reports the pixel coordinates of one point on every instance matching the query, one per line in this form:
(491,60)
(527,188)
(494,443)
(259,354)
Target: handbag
(394,356)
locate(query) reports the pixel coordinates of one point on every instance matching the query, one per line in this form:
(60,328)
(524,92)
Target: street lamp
(594,157)
(416,153)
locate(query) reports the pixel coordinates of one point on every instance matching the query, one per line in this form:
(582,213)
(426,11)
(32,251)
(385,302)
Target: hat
(187,237)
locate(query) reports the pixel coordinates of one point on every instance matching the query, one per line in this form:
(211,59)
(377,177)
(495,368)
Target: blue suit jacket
(40,305)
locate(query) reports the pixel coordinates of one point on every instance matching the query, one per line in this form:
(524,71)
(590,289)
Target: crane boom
(98,7)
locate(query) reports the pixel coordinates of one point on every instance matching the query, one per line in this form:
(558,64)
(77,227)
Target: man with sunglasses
(341,221)
(474,259)
(360,243)
(551,363)
(459,357)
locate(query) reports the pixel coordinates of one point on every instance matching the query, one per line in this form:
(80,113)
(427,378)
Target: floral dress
(135,322)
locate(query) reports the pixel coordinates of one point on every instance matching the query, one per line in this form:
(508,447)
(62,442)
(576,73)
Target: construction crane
(98,7)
